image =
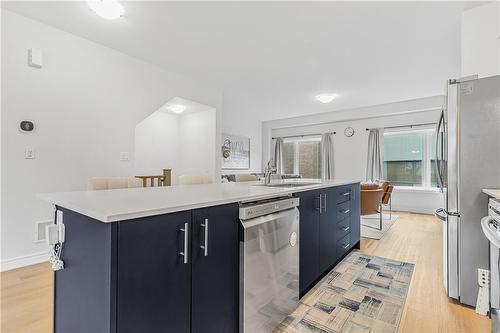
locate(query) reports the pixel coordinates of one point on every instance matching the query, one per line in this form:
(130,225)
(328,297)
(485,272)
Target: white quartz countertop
(495,193)
(124,204)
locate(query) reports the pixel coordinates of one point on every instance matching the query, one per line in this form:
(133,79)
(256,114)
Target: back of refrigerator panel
(479,167)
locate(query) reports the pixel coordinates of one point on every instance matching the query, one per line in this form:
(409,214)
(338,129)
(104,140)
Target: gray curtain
(374,167)
(278,155)
(326,156)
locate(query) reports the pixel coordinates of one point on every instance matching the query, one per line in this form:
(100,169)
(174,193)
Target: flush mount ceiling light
(325,98)
(177,108)
(108,9)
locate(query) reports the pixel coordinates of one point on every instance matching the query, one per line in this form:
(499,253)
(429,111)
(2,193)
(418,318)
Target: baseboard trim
(412,210)
(22,261)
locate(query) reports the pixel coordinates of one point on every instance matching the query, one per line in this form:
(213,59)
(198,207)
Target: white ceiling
(191,106)
(272,58)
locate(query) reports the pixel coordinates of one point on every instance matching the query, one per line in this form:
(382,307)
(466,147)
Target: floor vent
(40,235)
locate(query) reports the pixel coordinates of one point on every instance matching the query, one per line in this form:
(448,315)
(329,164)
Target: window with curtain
(302,157)
(409,158)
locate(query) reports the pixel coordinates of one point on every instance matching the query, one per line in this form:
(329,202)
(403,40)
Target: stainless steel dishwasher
(269,263)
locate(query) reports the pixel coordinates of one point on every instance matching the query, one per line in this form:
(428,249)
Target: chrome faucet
(268,172)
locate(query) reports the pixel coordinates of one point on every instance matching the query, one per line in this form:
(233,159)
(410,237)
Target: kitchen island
(135,259)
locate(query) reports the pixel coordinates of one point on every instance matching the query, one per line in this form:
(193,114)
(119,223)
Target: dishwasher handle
(270,217)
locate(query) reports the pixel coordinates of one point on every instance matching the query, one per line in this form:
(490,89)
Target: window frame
(427,131)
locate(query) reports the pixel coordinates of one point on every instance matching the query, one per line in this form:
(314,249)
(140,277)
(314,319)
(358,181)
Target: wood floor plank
(26,299)
(417,238)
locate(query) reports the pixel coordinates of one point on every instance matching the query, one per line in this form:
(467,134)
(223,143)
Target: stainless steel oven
(269,263)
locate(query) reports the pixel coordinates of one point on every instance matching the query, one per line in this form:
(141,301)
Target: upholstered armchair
(373,196)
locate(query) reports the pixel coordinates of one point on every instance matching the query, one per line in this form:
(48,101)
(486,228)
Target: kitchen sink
(288,185)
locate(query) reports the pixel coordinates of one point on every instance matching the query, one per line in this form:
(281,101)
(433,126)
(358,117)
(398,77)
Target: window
(409,158)
(302,157)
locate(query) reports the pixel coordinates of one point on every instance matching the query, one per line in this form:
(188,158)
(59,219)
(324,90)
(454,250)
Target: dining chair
(109,183)
(245,178)
(192,179)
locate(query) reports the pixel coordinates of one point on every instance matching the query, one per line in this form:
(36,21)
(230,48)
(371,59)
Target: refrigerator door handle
(438,160)
(440,213)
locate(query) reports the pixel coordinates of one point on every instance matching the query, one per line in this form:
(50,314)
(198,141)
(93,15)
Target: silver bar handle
(185,253)
(346,193)
(205,242)
(346,211)
(320,203)
(346,228)
(437,165)
(325,202)
(346,246)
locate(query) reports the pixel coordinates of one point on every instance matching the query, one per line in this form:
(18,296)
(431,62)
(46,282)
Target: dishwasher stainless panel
(269,269)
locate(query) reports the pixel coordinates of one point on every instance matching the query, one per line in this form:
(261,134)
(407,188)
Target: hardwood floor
(417,238)
(26,299)
(26,293)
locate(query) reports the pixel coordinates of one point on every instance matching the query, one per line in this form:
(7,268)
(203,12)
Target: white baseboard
(412,210)
(22,261)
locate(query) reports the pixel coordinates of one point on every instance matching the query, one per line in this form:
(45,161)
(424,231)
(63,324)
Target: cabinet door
(328,229)
(355,214)
(215,269)
(309,239)
(154,282)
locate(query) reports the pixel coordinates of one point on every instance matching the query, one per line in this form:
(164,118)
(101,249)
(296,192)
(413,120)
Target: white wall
(197,144)
(156,144)
(238,119)
(184,143)
(350,153)
(85,103)
(480,49)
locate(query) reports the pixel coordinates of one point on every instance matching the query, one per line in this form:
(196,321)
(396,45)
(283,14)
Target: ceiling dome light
(325,98)
(108,9)
(177,108)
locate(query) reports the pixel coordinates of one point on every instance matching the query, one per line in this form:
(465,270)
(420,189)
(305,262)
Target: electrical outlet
(40,234)
(483,277)
(483,296)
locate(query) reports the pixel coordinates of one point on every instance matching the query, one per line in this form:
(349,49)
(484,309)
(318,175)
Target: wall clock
(349,131)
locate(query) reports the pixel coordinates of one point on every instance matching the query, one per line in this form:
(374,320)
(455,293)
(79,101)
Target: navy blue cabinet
(355,214)
(329,229)
(215,270)
(309,239)
(154,282)
(176,272)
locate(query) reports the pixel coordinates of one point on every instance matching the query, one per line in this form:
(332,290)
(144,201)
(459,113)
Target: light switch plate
(35,58)
(29,153)
(124,156)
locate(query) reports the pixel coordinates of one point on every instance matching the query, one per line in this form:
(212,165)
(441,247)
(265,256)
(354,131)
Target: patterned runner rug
(361,294)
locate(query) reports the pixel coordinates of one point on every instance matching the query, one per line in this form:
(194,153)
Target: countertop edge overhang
(495,193)
(126,204)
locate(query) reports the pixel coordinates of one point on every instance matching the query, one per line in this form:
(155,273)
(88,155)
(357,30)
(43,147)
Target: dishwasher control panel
(256,209)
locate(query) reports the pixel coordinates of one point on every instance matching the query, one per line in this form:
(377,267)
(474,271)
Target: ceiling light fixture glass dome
(107,9)
(325,98)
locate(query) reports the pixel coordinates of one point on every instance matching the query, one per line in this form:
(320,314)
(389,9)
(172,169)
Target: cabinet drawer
(343,211)
(343,228)
(343,245)
(344,194)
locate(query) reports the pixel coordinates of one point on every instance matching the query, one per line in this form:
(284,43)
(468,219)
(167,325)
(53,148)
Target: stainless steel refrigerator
(467,160)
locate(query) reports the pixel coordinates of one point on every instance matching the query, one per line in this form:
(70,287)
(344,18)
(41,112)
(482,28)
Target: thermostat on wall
(26,126)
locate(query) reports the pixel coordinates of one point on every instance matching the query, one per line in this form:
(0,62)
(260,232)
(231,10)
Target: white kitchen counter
(123,204)
(495,193)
